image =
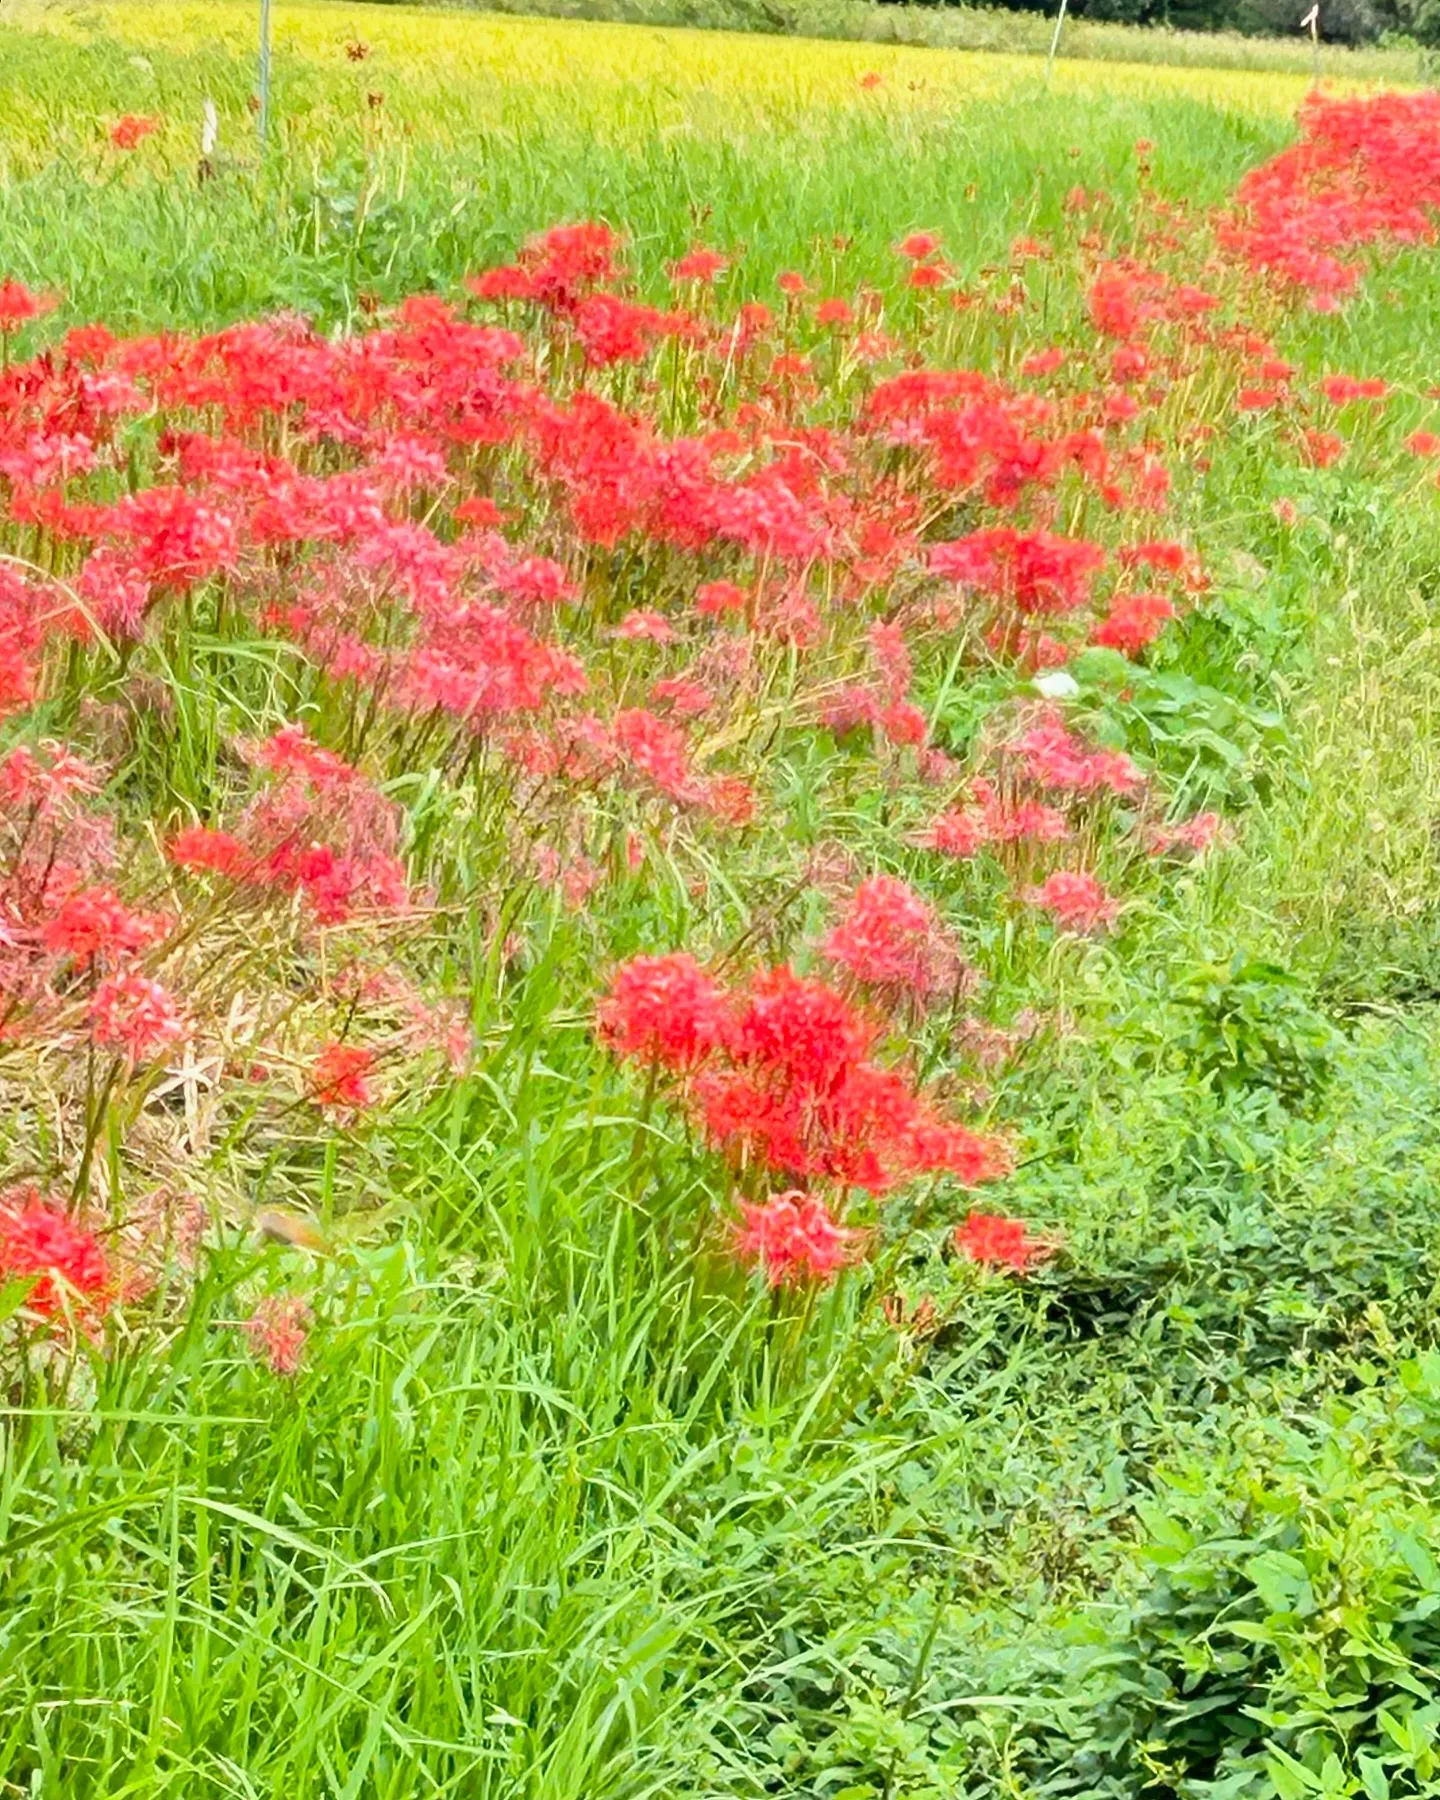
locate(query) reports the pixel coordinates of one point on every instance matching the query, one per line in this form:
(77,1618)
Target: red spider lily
(479,509)
(94,922)
(793,1238)
(904,723)
(135,1015)
(650,627)
(39,1239)
(18,305)
(131,130)
(339,1078)
(779,1072)
(663,1009)
(1165,558)
(281,843)
(557,268)
(277,1331)
(890,937)
(699,264)
(1197,834)
(1134,620)
(1363,172)
(438,520)
(1076,900)
(730,800)
(1043,362)
(1051,756)
(989,1238)
(1343,390)
(1037,572)
(656,750)
(687,699)
(893,658)
(960,832)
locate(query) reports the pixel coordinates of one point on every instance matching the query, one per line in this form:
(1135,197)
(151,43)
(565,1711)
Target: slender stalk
(1055,41)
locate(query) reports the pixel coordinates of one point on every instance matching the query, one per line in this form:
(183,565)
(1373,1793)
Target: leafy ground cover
(719,937)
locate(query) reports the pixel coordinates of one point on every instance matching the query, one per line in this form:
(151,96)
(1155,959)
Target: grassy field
(488,125)
(438,1434)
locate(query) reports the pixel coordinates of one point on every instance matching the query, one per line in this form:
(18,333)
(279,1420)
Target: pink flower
(339,1078)
(39,1238)
(277,1331)
(1076,899)
(991,1238)
(792,1237)
(136,1015)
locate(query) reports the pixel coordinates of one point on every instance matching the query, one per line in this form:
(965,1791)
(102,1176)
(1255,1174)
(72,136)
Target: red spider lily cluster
(1365,172)
(784,1075)
(585,568)
(782,1072)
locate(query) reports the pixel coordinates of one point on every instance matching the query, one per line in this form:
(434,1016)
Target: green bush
(1287,1639)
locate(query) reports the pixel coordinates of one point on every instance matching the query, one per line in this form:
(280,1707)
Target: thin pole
(1312,20)
(1055,41)
(263,120)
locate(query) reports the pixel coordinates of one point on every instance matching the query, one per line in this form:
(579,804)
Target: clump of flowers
(782,1075)
(551,571)
(43,1242)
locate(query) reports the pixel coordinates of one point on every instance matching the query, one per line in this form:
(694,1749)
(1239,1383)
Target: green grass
(556,1509)
(997,30)
(674,135)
